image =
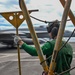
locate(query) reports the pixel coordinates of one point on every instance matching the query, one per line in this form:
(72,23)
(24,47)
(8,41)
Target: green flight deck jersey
(64,57)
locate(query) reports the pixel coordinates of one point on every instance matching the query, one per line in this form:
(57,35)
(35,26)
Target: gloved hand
(17,39)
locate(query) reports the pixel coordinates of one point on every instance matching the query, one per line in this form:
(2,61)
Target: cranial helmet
(53,24)
(53,28)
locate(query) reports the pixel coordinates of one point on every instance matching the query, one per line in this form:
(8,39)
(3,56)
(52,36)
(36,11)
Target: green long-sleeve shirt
(64,57)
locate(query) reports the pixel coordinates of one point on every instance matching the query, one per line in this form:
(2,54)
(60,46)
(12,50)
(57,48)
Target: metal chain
(65,71)
(61,47)
(43,20)
(68,39)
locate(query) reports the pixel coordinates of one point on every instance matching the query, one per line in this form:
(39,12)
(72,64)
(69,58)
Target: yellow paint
(15,18)
(33,34)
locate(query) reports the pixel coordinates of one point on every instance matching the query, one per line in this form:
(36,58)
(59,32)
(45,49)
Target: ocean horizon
(9,26)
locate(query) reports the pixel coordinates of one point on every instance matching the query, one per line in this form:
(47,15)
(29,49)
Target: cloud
(48,9)
(3,1)
(8,5)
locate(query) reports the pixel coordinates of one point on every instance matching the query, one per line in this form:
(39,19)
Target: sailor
(65,55)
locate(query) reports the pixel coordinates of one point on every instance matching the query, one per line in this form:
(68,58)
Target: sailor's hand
(17,39)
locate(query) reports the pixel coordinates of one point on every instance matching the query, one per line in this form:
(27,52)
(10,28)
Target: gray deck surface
(29,65)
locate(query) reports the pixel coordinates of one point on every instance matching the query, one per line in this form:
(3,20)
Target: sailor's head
(53,28)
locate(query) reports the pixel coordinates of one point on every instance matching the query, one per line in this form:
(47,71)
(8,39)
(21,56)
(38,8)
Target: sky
(49,10)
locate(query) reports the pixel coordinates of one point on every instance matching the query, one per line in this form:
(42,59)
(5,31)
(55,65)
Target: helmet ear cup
(51,25)
(54,32)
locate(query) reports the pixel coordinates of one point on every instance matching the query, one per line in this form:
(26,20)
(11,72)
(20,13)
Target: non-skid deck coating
(29,65)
